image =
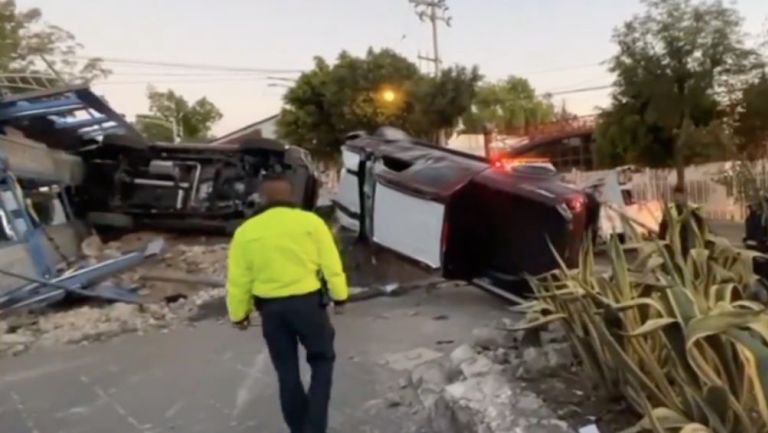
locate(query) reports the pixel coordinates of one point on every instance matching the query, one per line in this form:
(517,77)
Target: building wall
(475,143)
(265,129)
(572,153)
(269,128)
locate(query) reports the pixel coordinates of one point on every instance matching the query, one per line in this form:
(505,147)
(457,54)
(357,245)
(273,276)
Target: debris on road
(188,266)
(548,367)
(499,384)
(77,281)
(194,279)
(469,392)
(91,323)
(409,360)
(165,304)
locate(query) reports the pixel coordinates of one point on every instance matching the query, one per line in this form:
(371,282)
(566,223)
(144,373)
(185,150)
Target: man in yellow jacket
(276,260)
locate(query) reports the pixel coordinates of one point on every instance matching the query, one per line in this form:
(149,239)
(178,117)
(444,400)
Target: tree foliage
(440,102)
(509,105)
(751,126)
(25,39)
(364,93)
(673,61)
(192,121)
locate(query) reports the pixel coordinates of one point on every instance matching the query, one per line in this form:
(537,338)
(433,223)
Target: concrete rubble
(166,305)
(87,324)
(476,387)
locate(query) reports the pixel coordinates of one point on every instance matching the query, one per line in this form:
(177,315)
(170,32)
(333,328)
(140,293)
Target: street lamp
(388,95)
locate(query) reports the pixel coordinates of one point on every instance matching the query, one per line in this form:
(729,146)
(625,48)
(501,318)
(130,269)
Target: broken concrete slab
(461,354)
(493,338)
(484,396)
(492,404)
(14,339)
(432,375)
(477,367)
(405,361)
(429,380)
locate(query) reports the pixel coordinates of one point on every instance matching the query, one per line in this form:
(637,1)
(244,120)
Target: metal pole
(53,70)
(435,48)
(434,11)
(175,130)
(487,140)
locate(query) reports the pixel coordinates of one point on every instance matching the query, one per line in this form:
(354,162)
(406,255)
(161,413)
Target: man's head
(276,188)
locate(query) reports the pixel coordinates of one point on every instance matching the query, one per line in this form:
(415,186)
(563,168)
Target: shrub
(675,331)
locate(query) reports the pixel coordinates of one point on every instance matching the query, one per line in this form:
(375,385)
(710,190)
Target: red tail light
(505,162)
(576,203)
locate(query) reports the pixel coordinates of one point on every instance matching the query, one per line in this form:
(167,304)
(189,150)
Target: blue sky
(557,44)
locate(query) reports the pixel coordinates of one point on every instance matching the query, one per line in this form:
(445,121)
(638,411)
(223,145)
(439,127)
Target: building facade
(264,128)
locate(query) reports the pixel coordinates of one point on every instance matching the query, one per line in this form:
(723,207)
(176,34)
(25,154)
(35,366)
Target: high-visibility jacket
(278,253)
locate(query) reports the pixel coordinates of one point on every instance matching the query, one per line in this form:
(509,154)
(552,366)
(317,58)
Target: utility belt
(321,296)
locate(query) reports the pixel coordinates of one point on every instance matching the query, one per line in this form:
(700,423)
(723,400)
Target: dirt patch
(370,265)
(575,401)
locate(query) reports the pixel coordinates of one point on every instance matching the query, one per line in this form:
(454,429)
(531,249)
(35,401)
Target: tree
(26,39)
(364,93)
(673,61)
(169,111)
(439,103)
(751,126)
(509,105)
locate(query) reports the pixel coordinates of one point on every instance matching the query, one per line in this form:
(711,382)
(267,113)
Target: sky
(556,44)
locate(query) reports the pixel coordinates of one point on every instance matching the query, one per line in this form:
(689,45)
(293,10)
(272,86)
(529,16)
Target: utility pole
(434,11)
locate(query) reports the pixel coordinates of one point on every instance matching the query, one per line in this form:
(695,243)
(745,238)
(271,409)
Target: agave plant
(670,327)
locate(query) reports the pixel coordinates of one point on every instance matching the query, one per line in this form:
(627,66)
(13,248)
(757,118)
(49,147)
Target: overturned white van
(455,212)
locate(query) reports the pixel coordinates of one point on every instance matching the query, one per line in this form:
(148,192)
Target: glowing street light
(388,95)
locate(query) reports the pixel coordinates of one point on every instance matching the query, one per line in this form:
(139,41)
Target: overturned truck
(195,186)
(455,212)
(130,182)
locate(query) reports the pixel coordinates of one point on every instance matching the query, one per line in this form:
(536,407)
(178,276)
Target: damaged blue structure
(41,229)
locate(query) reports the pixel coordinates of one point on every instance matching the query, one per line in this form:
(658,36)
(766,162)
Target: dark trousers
(286,322)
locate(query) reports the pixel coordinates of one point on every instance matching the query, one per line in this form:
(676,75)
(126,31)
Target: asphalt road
(212,379)
(733,230)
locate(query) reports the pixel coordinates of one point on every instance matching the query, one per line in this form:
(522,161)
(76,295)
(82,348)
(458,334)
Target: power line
(150,81)
(594,81)
(561,69)
(196,66)
(183,74)
(578,90)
